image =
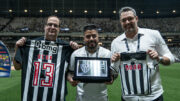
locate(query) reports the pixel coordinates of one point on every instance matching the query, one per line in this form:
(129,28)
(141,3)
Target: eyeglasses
(52,24)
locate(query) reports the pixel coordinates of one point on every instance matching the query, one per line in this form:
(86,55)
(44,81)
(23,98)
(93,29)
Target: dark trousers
(160,98)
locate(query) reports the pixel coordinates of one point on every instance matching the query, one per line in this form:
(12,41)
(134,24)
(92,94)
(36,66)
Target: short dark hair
(125,9)
(55,17)
(90,27)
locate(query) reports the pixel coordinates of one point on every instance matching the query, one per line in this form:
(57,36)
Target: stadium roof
(88,8)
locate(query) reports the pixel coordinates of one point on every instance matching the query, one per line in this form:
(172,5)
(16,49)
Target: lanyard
(138,45)
(97,52)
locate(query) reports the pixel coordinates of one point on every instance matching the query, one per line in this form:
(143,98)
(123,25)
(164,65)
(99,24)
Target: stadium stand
(35,24)
(14,28)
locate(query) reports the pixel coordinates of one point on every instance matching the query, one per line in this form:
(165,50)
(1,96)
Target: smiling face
(129,22)
(91,39)
(52,28)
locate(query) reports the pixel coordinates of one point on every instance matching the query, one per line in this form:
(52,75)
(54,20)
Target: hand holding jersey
(43,69)
(43,62)
(115,57)
(152,54)
(22,41)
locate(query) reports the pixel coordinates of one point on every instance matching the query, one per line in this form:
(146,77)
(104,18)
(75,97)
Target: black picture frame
(102,76)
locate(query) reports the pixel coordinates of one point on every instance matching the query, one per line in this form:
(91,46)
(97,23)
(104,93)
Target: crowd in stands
(176,52)
(108,25)
(36,24)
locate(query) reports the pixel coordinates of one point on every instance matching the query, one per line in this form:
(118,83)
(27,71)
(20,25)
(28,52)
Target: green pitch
(10,88)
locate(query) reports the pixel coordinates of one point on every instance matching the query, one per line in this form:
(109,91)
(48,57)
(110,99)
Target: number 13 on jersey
(45,78)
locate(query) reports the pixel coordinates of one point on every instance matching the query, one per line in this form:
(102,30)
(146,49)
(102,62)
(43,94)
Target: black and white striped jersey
(44,65)
(144,40)
(135,74)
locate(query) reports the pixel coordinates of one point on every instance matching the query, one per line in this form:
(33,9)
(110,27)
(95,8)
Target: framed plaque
(91,69)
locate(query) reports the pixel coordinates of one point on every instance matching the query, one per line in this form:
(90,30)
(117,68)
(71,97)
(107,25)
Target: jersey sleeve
(18,56)
(68,53)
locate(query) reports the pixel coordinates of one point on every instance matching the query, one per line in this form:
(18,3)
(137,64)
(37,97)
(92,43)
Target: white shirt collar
(140,31)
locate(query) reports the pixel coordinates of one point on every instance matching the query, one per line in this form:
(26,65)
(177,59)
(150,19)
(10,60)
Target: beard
(129,28)
(92,44)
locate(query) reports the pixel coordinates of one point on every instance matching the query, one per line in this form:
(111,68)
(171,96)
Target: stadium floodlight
(141,12)
(56,11)
(169,40)
(100,11)
(25,10)
(157,12)
(114,12)
(174,11)
(40,10)
(100,43)
(85,11)
(70,11)
(10,10)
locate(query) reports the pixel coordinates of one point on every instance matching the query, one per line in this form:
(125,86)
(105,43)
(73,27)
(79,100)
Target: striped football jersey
(135,74)
(44,65)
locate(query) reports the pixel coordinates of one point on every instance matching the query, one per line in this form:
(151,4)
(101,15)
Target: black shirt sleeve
(19,54)
(68,54)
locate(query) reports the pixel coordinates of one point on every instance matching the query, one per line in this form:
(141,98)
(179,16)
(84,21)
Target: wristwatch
(160,59)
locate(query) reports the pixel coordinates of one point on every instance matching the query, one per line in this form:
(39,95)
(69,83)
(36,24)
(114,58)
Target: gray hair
(125,9)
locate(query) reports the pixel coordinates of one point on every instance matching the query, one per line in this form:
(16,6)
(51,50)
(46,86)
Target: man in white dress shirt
(136,54)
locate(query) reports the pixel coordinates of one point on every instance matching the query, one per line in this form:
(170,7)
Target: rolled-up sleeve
(163,49)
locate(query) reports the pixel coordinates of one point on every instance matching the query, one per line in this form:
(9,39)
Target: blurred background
(26,18)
